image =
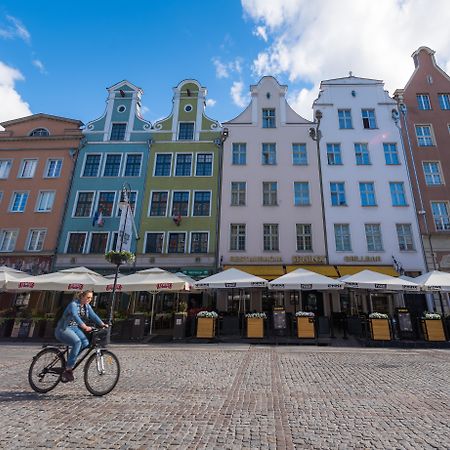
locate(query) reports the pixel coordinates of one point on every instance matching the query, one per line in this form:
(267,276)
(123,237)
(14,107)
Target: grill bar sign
(202,285)
(334,286)
(407,287)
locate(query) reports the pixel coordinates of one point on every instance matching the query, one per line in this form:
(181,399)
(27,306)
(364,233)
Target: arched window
(40,132)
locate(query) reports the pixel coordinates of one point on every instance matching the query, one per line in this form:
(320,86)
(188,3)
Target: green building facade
(179,221)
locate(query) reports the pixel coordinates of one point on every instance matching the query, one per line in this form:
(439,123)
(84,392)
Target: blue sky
(59,57)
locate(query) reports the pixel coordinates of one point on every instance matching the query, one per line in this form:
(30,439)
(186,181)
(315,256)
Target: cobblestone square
(215,396)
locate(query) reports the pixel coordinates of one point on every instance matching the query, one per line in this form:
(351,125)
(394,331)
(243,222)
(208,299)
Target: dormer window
(118,131)
(186,131)
(268,118)
(40,132)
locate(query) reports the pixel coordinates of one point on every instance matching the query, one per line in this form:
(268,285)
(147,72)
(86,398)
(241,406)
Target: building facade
(114,157)
(369,207)
(180,209)
(424,107)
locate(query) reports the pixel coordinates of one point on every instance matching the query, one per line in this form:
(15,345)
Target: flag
(125,228)
(98,219)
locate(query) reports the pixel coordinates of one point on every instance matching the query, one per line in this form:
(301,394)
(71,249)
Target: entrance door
(312,301)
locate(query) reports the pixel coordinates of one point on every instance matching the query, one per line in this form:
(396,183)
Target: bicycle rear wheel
(101,372)
(46,370)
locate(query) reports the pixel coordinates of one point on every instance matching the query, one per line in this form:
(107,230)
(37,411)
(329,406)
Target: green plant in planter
(121,257)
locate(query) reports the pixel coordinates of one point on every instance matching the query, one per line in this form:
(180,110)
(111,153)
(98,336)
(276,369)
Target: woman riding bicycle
(70,327)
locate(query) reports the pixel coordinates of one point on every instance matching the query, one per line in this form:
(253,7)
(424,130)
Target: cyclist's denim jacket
(71,314)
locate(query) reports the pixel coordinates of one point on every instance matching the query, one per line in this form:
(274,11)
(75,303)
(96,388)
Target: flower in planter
(304,314)
(210,314)
(121,257)
(431,316)
(377,315)
(256,315)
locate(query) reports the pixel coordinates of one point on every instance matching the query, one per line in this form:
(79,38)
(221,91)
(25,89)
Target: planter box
(433,330)
(306,328)
(206,327)
(380,330)
(255,327)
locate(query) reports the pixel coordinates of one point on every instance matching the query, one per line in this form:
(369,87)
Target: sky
(60,57)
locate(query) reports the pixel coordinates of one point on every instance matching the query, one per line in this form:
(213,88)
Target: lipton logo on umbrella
(26,284)
(110,287)
(164,286)
(230,284)
(380,286)
(75,286)
(306,286)
(258,283)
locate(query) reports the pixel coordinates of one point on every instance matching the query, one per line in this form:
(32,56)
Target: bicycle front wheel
(101,372)
(46,370)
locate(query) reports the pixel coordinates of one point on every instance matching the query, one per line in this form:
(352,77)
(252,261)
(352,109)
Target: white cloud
(12,104)
(313,41)
(210,102)
(39,65)
(236,94)
(261,32)
(221,69)
(14,29)
(225,70)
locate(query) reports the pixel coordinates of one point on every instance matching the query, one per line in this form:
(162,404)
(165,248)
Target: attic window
(268,95)
(188,108)
(122,108)
(40,132)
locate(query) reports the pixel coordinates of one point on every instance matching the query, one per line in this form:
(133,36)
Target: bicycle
(101,370)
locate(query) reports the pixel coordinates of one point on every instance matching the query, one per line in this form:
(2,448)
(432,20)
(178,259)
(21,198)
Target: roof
(40,116)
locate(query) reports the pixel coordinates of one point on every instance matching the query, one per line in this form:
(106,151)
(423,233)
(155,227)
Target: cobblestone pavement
(213,396)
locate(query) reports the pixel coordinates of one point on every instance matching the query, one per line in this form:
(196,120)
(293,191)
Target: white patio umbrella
(434,281)
(10,274)
(68,280)
(229,279)
(189,282)
(367,279)
(303,279)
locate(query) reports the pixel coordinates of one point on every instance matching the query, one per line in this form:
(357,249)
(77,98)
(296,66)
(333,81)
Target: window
(238,191)
(39,132)
(163,165)
(237,236)
(83,207)
(405,238)
(367,193)
(19,201)
(424,136)
(270,193)
(239,156)
(91,165)
(199,243)
(268,118)
(440,215)
(133,165)
(131,200)
(154,242)
(334,154)
(35,241)
(345,119)
(373,237)
(304,237)
(362,155)
(397,194)
(112,165)
(27,168)
(98,242)
(180,204)
(158,204)
(1,196)
(204,165)
(270,238)
(338,194)
(299,155)
(444,101)
(5,167)
(342,237)
(8,240)
(177,243)
(186,131)
(183,165)
(202,203)
(106,203)
(45,201)
(390,154)
(301,193)
(423,101)
(269,154)
(118,132)
(368,118)
(76,242)
(432,171)
(53,169)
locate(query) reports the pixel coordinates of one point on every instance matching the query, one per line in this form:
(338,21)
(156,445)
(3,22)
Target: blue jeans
(75,339)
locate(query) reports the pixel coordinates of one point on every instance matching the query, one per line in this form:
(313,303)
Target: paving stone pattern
(236,397)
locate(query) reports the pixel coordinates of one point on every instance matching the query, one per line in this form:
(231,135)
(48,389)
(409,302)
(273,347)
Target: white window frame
(97,201)
(300,145)
(334,150)
(239,153)
(75,203)
(38,200)
(193,201)
(47,167)
(124,136)
(433,174)
(345,119)
(30,233)
(388,146)
(126,155)
(105,158)
(163,244)
(190,241)
(178,130)
(444,100)
(368,118)
(188,209)
(176,162)
(212,164)
(374,237)
(185,242)
(240,225)
(8,165)
(366,194)
(13,195)
(423,137)
(274,238)
(342,237)
(444,220)
(238,192)
(151,200)
(68,239)
(13,239)
(303,183)
(361,151)
(338,194)
(89,238)
(297,225)
(423,102)
(156,159)
(402,236)
(100,164)
(23,165)
(270,194)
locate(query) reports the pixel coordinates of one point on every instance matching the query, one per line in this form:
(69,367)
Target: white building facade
(369,207)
